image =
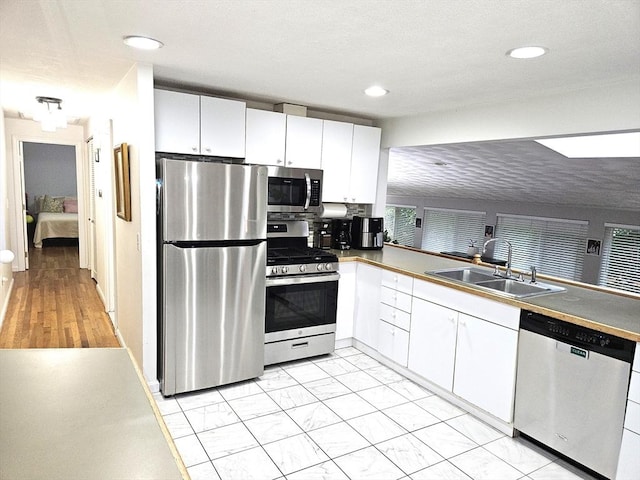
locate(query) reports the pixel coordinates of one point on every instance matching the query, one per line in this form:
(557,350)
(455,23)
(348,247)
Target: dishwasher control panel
(577,335)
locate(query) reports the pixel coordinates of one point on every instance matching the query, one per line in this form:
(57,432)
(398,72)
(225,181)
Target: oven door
(301,306)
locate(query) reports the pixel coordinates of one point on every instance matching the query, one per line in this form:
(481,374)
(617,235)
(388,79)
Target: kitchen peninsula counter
(585,305)
(79,413)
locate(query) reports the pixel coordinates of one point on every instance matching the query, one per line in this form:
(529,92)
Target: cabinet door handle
(194,149)
(278,161)
(208,150)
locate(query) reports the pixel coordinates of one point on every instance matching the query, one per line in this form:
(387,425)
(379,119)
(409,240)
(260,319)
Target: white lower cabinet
(367,305)
(485,365)
(432,343)
(346,300)
(393,342)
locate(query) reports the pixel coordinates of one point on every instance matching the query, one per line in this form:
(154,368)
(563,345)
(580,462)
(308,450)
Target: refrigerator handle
(158,195)
(308,199)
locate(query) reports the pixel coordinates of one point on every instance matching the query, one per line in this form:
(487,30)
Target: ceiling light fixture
(376,91)
(142,43)
(527,52)
(612,145)
(50,114)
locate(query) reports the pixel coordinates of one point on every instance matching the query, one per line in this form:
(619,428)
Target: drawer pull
(300,345)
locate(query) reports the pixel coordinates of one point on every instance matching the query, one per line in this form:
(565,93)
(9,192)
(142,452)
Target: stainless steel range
(302,295)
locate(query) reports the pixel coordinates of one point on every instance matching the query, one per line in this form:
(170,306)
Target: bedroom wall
(49,169)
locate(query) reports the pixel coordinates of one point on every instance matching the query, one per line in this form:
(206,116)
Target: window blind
(451,230)
(620,263)
(554,246)
(400,221)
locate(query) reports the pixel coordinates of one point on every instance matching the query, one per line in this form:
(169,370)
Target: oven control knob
(319,267)
(328,266)
(274,270)
(285,269)
(303,268)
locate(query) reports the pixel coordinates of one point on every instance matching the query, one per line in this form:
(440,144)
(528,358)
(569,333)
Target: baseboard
(101,295)
(344,343)
(5,305)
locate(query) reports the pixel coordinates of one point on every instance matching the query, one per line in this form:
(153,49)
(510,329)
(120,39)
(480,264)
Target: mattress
(55,225)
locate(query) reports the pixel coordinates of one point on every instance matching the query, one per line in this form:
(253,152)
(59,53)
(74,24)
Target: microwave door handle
(308,199)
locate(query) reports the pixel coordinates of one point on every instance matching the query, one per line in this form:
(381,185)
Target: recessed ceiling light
(142,43)
(527,52)
(612,145)
(376,91)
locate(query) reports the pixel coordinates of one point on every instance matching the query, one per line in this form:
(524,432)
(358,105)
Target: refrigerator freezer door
(213,320)
(206,201)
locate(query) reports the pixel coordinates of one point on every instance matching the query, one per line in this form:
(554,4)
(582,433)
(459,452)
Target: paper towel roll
(333,210)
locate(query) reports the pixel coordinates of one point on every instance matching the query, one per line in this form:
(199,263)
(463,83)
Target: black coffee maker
(341,233)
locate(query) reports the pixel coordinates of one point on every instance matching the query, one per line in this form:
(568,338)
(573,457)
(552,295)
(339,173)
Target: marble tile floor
(343,416)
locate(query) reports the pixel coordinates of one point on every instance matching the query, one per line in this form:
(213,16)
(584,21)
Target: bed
(55,225)
(57,218)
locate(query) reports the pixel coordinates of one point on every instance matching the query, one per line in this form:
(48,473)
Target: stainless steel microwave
(294,190)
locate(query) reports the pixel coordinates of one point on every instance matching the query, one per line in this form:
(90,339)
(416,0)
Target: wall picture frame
(593,246)
(123,182)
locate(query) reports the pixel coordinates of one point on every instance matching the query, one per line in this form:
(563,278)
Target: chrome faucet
(508,273)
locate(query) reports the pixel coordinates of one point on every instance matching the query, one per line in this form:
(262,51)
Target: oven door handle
(332,277)
(307,200)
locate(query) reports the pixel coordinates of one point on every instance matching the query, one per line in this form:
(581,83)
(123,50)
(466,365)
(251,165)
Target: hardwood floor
(55,304)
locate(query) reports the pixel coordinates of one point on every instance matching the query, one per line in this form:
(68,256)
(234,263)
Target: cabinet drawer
(496,312)
(397,281)
(395,316)
(395,299)
(632,417)
(634,386)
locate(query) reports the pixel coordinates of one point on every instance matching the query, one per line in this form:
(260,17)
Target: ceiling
(514,170)
(432,55)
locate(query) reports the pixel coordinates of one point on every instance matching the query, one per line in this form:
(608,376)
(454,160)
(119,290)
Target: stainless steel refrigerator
(212,228)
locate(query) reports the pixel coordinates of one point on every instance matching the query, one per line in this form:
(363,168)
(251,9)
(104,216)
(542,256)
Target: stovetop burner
(288,253)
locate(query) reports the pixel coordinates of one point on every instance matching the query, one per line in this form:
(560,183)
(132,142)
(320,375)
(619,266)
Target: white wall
(135,254)
(99,129)
(595,216)
(6,273)
(601,109)
(18,130)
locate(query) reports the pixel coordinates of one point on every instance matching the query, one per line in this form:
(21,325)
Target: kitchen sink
(514,288)
(485,280)
(466,275)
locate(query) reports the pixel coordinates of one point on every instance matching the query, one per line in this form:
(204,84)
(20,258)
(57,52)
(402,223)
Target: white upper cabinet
(222,127)
(199,125)
(265,141)
(350,157)
(337,140)
(303,142)
(177,122)
(365,156)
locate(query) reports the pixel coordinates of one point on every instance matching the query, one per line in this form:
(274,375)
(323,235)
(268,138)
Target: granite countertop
(581,304)
(78,413)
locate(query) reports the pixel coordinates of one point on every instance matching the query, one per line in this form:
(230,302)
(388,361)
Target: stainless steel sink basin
(466,275)
(485,280)
(514,288)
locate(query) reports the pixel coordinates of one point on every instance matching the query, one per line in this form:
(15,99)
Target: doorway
(51,196)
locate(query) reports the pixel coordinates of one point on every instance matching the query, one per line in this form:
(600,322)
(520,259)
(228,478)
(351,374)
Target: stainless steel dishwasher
(571,389)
